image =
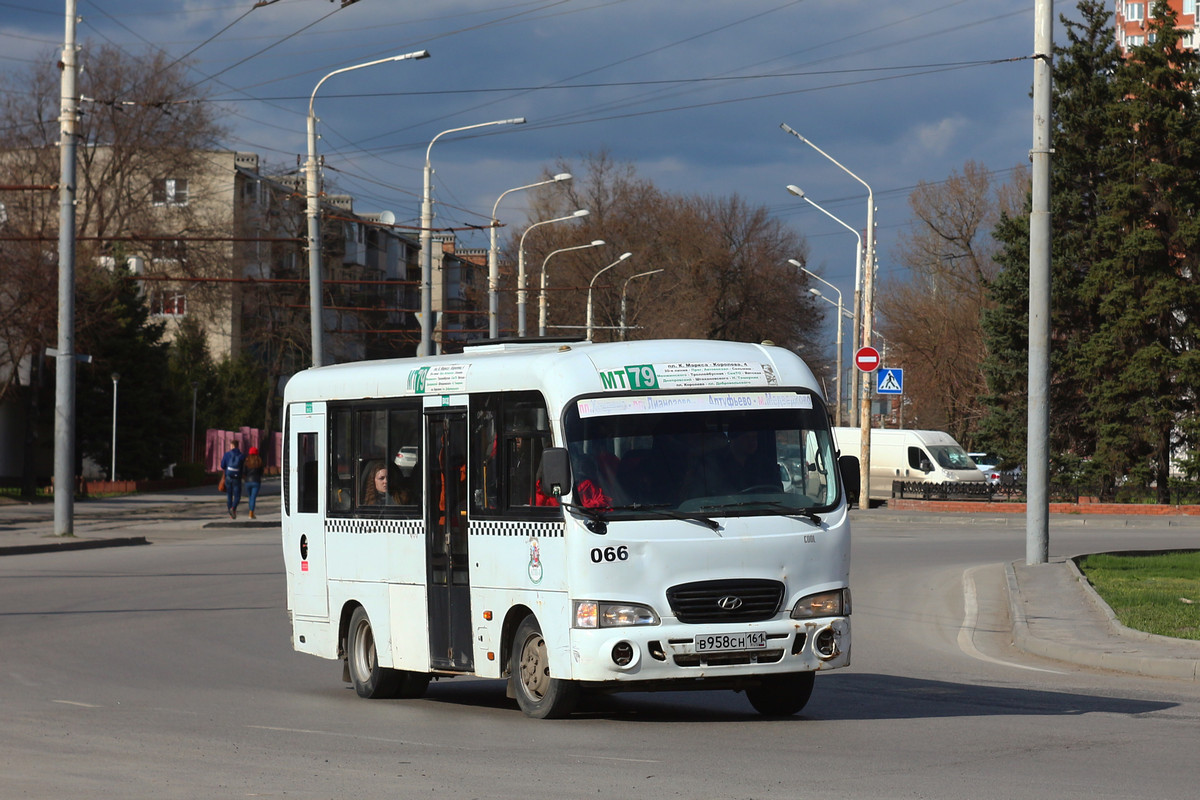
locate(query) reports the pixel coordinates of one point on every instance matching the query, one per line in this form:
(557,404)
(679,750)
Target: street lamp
(494,256)
(313,186)
(592,285)
(624,287)
(543,302)
(841,312)
(583,212)
(806,271)
(112,474)
(425,347)
(868,310)
(854,330)
(195,386)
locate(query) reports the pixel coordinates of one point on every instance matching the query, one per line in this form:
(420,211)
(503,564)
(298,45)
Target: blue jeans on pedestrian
(252,493)
(233,492)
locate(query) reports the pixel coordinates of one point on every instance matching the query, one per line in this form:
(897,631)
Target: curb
(1154,666)
(71,544)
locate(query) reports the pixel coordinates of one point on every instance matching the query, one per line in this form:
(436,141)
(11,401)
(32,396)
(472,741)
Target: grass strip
(1156,593)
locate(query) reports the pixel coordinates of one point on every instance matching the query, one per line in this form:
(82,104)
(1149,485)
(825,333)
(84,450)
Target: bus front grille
(706,602)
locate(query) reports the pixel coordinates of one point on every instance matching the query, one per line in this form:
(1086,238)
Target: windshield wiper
(803,513)
(659,510)
(598,521)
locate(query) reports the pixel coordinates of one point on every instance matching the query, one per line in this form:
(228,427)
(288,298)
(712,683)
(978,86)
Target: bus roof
(561,370)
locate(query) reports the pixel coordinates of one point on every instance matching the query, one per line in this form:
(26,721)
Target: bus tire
(782,695)
(370,680)
(539,695)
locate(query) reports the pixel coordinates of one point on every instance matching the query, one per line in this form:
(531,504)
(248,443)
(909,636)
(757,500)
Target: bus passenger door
(449,578)
(304,546)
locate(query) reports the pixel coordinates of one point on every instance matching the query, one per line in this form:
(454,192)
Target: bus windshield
(739,454)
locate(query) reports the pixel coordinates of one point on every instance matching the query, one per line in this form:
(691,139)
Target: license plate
(717,642)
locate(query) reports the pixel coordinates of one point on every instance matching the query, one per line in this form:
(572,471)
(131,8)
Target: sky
(692,93)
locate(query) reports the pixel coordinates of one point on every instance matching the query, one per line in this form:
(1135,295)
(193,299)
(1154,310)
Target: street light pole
(854,329)
(195,386)
(64,358)
(426,346)
(494,256)
(583,212)
(838,383)
(624,287)
(868,311)
(841,313)
(543,301)
(112,474)
(592,285)
(313,186)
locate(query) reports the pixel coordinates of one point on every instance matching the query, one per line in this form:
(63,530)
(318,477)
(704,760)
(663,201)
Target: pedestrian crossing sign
(889,380)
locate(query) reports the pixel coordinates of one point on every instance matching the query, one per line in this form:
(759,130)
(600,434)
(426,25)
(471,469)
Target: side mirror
(926,466)
(851,478)
(556,471)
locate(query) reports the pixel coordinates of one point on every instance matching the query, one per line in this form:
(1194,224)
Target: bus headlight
(823,604)
(595,614)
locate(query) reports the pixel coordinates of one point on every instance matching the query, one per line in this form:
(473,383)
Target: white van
(909,455)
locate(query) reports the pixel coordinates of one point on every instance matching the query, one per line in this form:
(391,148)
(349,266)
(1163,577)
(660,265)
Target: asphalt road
(165,671)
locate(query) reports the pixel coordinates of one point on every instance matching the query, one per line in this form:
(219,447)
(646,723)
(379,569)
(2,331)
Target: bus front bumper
(688,653)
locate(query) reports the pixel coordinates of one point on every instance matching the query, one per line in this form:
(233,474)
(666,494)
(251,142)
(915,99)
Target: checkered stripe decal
(416,527)
(410,527)
(541,530)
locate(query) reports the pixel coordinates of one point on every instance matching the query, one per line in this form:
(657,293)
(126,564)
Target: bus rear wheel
(782,695)
(539,695)
(362,660)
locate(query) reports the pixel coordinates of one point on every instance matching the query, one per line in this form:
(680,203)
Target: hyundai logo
(729,603)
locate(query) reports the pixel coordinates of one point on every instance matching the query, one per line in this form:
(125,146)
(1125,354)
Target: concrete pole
(521,293)
(624,291)
(543,302)
(312,182)
(1037,509)
(868,312)
(313,195)
(592,285)
(494,255)
(425,348)
(112,474)
(64,393)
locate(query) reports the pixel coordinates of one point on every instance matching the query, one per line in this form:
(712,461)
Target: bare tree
(725,272)
(931,321)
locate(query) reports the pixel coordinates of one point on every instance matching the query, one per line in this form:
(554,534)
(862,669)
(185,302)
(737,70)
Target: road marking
(971,620)
(614,758)
(365,738)
(73,703)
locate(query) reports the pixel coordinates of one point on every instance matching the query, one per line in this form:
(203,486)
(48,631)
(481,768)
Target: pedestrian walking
(231,466)
(252,472)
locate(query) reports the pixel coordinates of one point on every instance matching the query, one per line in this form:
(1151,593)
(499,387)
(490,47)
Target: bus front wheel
(371,680)
(539,695)
(782,695)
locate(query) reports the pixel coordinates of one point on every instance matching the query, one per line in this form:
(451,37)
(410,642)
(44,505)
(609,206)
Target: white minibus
(569,516)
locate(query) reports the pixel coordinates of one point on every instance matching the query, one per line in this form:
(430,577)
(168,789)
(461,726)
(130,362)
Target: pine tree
(1144,289)
(1084,99)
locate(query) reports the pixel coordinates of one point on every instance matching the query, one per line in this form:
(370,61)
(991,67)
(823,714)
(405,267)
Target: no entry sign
(867,359)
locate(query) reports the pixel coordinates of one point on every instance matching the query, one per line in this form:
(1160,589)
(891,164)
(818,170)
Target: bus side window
(509,430)
(404,463)
(307,488)
(341,483)
(484,456)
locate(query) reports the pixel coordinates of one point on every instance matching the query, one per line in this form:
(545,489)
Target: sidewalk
(1057,614)
(132,519)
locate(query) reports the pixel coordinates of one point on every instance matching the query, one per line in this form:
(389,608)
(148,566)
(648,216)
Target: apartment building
(1130,19)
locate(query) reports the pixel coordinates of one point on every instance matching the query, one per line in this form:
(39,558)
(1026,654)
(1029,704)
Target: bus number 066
(610,554)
